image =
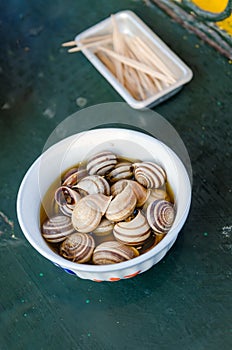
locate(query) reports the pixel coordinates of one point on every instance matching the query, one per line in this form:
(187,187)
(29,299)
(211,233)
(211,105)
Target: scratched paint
(216,6)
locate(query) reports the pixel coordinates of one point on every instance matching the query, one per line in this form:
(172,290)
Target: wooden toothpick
(85,46)
(135,64)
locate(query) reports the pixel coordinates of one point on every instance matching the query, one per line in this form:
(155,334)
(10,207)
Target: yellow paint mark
(211,5)
(216,6)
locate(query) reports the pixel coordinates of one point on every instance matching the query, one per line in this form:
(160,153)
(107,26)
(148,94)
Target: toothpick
(107,62)
(148,59)
(82,47)
(133,79)
(69,43)
(87,40)
(116,47)
(146,81)
(142,79)
(132,75)
(150,54)
(95,38)
(137,65)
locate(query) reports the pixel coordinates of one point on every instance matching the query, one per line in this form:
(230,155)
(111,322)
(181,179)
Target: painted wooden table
(184,302)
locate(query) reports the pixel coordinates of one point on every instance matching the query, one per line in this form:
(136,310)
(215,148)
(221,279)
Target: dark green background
(184,302)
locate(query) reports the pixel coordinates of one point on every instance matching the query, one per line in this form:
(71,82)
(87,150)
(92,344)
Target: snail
(149,174)
(112,252)
(122,205)
(94,184)
(133,232)
(57,228)
(78,247)
(66,198)
(101,163)
(160,215)
(122,170)
(88,212)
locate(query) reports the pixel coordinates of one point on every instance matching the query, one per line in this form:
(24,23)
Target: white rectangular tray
(131,24)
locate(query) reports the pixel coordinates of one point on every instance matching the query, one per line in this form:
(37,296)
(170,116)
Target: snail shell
(140,192)
(104,228)
(66,198)
(78,247)
(94,184)
(121,171)
(88,212)
(154,194)
(73,176)
(112,252)
(118,187)
(149,174)
(57,228)
(68,173)
(160,215)
(101,163)
(122,205)
(133,232)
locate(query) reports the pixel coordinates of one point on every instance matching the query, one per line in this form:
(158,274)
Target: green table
(184,302)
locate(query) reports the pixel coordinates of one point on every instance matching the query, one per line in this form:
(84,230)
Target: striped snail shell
(94,184)
(78,247)
(149,174)
(160,215)
(101,163)
(73,176)
(104,228)
(118,187)
(57,228)
(133,232)
(122,170)
(122,205)
(112,252)
(88,212)
(154,194)
(68,173)
(140,192)
(66,198)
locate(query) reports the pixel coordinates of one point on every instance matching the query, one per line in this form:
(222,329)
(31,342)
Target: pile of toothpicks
(133,62)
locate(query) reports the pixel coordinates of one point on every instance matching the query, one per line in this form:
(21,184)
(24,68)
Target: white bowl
(68,152)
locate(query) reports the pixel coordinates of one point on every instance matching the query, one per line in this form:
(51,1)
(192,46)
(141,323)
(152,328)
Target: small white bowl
(131,24)
(68,152)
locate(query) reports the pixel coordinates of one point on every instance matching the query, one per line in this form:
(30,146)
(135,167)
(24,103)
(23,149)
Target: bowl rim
(64,263)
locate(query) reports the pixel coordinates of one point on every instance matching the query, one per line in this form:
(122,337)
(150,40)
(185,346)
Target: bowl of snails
(105,204)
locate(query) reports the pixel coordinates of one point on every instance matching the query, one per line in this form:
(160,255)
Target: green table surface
(183,302)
